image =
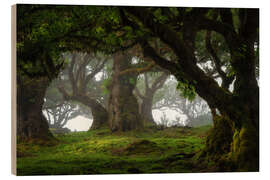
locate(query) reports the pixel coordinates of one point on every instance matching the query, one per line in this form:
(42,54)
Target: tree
(44,32)
(57,110)
(58,116)
(125,111)
(123,106)
(147,92)
(81,74)
(177,27)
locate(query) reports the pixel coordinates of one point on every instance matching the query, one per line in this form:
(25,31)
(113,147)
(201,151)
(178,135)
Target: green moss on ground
(102,152)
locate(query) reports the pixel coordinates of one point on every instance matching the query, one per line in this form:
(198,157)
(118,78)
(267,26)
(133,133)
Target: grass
(101,152)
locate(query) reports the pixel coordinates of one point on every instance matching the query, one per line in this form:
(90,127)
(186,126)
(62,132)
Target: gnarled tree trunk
(31,123)
(99,113)
(243,110)
(245,142)
(233,146)
(240,108)
(123,106)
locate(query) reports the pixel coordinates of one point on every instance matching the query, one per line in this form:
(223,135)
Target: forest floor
(101,152)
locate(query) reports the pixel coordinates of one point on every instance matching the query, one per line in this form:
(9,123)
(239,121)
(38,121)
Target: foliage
(46,31)
(187,90)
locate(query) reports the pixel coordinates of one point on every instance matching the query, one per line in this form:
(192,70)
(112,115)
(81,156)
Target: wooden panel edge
(13,89)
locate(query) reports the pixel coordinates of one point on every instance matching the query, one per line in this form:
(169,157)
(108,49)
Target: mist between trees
(159,100)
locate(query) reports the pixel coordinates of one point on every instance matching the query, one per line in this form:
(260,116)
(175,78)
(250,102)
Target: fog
(89,74)
(81,123)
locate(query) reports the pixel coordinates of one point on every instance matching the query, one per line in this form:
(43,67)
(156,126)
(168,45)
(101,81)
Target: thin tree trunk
(146,110)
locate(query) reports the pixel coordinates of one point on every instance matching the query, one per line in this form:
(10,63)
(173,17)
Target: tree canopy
(208,50)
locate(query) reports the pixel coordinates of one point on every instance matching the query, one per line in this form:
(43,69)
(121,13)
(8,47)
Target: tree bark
(147,97)
(240,108)
(123,106)
(146,106)
(146,110)
(99,113)
(31,123)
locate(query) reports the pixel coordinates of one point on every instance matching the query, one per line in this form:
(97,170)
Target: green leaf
(186,90)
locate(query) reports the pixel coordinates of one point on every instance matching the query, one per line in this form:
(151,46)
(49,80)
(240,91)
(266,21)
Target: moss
(220,137)
(236,142)
(245,148)
(139,147)
(148,151)
(230,149)
(214,157)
